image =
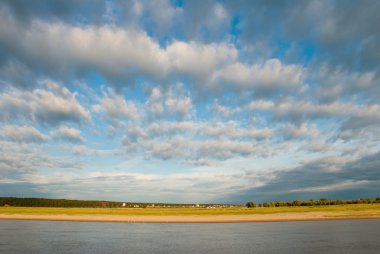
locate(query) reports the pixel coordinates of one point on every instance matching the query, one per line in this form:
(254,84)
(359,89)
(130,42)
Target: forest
(45,202)
(320,202)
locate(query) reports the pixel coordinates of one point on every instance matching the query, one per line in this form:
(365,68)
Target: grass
(184,211)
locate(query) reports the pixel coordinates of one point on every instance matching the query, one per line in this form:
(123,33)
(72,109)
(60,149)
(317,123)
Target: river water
(340,236)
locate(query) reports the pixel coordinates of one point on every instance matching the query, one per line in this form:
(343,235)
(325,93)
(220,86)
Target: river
(340,236)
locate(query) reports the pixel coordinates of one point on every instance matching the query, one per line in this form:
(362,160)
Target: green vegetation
(185,210)
(45,202)
(321,202)
(83,207)
(251,204)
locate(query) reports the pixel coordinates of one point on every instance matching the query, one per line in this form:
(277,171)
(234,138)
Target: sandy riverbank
(202,218)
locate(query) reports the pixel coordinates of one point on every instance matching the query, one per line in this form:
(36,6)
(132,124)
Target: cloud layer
(171,101)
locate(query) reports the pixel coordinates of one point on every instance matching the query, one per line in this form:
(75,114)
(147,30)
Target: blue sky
(189,101)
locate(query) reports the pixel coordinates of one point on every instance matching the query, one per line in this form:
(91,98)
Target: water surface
(343,236)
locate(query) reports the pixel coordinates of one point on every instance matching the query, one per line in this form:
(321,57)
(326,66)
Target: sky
(190,101)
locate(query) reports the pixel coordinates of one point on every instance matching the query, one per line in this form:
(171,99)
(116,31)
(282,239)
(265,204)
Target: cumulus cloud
(224,111)
(155,102)
(27,134)
(118,53)
(298,110)
(352,119)
(291,131)
(336,83)
(17,159)
(270,76)
(178,103)
(115,107)
(174,101)
(51,105)
(193,91)
(200,60)
(68,134)
(194,142)
(126,54)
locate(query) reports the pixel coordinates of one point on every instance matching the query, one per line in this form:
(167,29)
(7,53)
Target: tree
(251,204)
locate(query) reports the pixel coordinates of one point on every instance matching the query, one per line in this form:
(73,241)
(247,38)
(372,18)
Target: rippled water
(344,236)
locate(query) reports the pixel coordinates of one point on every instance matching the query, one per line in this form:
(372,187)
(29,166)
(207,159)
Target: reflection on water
(344,236)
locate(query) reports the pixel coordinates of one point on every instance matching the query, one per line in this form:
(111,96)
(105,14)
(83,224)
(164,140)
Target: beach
(291,216)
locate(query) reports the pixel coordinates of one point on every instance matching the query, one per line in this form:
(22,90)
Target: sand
(369,214)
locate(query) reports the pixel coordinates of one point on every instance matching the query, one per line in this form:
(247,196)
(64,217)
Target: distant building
(124,204)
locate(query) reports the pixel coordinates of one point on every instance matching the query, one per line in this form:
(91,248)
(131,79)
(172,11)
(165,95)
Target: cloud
(205,20)
(337,28)
(336,83)
(126,55)
(199,61)
(325,31)
(68,134)
(52,105)
(173,101)
(291,131)
(351,120)
(24,134)
(58,10)
(201,185)
(178,103)
(191,141)
(303,110)
(116,108)
(193,95)
(329,177)
(269,77)
(161,15)
(224,111)
(155,102)
(16,158)
(117,53)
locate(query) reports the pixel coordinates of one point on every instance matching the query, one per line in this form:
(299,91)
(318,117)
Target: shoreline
(275,217)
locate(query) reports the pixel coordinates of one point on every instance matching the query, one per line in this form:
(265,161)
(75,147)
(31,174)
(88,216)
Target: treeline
(46,202)
(321,202)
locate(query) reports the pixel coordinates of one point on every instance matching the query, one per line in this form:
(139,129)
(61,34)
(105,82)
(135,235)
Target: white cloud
(304,130)
(129,53)
(223,110)
(124,55)
(22,158)
(335,83)
(51,105)
(27,134)
(155,102)
(116,107)
(196,141)
(200,61)
(271,75)
(173,101)
(178,103)
(81,150)
(206,88)
(308,110)
(69,134)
